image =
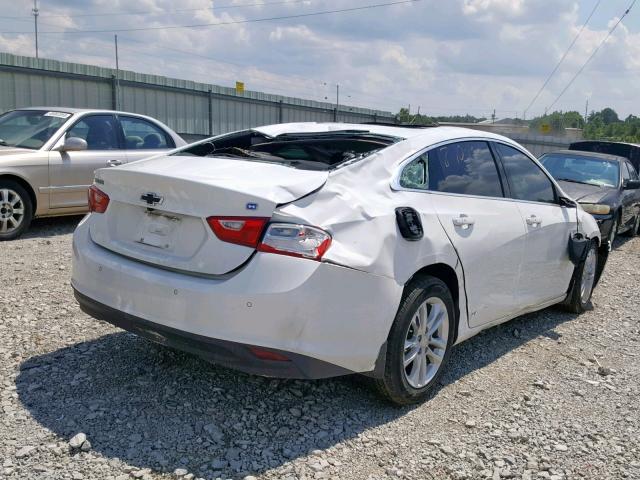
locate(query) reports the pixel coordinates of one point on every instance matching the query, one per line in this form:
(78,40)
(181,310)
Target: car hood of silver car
(5,151)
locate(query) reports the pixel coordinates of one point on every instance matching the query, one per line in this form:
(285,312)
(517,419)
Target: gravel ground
(549,395)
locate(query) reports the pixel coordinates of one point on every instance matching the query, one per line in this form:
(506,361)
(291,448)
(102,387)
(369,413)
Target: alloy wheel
(588,276)
(12,210)
(426,342)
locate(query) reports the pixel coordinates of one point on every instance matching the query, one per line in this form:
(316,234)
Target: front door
(546,268)
(486,229)
(630,197)
(71,173)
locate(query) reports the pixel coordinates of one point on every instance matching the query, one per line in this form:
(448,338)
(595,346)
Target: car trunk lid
(158,208)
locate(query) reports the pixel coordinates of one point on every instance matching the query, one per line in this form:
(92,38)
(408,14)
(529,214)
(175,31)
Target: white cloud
(458,56)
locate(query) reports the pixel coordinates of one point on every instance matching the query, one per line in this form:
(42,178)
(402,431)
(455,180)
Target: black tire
(23,219)
(575,302)
(394,385)
(633,232)
(614,231)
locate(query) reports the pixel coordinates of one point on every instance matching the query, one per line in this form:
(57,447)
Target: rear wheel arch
(24,184)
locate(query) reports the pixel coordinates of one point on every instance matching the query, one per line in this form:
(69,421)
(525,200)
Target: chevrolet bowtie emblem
(152,198)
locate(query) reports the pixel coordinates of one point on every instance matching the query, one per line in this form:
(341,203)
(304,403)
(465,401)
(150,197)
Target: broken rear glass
(307,151)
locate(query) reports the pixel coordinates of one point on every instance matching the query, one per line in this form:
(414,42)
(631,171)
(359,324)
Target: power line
(233,22)
(555,69)
(163,12)
(593,54)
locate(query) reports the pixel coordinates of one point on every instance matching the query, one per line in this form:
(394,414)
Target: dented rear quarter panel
(357,206)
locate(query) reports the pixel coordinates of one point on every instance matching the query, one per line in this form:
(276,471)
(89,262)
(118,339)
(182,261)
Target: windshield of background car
(29,128)
(592,171)
(306,151)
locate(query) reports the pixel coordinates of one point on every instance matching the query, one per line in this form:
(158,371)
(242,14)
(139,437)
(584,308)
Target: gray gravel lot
(549,395)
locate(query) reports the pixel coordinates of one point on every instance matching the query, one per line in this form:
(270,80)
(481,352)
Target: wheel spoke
(434,357)
(18,211)
(423,316)
(417,371)
(410,356)
(436,319)
(4,195)
(13,222)
(3,225)
(410,343)
(438,343)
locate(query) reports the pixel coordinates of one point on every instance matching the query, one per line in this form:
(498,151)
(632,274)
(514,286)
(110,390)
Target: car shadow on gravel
(50,227)
(160,409)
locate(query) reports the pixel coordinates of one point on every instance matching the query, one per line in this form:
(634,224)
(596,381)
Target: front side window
(99,131)
(568,167)
(415,174)
(632,172)
(527,180)
(626,175)
(142,135)
(464,167)
(29,128)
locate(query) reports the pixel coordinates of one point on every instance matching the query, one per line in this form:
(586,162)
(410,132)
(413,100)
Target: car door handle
(114,163)
(534,221)
(463,221)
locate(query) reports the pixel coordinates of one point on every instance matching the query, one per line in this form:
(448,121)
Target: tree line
(602,125)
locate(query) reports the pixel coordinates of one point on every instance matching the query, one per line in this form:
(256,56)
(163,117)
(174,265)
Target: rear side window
(464,167)
(415,174)
(526,178)
(142,135)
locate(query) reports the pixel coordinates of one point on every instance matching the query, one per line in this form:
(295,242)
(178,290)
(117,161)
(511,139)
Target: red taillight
(98,200)
(263,354)
(295,241)
(239,230)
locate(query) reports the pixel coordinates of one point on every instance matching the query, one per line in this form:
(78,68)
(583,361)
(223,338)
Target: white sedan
(316,250)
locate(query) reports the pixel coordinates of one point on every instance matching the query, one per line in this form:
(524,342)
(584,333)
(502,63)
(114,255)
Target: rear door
(546,268)
(143,138)
(485,228)
(71,173)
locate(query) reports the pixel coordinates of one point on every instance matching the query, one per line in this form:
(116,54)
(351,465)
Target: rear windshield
(306,151)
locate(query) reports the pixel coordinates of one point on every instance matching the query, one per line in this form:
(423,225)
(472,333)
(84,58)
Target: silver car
(48,156)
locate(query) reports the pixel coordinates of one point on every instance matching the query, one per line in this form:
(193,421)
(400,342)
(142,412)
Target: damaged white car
(315,250)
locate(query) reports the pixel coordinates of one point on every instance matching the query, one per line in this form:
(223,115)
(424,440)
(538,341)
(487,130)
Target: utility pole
(493,116)
(36,12)
(586,110)
(335,117)
(117,74)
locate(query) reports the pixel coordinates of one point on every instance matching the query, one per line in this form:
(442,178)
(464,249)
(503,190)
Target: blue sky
(446,57)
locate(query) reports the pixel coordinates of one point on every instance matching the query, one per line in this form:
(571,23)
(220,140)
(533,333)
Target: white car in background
(315,250)
(48,156)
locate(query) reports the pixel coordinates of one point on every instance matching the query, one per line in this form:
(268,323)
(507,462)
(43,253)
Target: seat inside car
(152,140)
(101,134)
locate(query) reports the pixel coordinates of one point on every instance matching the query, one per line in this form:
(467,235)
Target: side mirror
(631,184)
(73,144)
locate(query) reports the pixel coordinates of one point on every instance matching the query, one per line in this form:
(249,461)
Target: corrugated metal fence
(190,108)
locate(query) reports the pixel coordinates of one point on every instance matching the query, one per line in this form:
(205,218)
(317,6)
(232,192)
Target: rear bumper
(229,354)
(334,315)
